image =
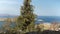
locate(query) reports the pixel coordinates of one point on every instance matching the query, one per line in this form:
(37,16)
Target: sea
(48,19)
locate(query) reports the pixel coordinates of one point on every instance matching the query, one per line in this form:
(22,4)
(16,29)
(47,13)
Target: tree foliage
(27,17)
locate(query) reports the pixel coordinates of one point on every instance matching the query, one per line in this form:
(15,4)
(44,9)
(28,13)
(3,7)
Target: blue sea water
(3,23)
(49,19)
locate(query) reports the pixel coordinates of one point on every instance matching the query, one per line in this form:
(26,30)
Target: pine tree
(27,17)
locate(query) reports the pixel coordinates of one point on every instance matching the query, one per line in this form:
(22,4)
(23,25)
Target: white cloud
(13,11)
(8,2)
(7,8)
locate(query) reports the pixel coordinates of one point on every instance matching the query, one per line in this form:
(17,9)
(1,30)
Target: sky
(41,7)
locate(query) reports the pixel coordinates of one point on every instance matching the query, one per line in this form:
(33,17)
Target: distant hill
(7,16)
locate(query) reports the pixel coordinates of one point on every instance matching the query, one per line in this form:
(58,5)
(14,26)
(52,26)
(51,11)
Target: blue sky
(41,7)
